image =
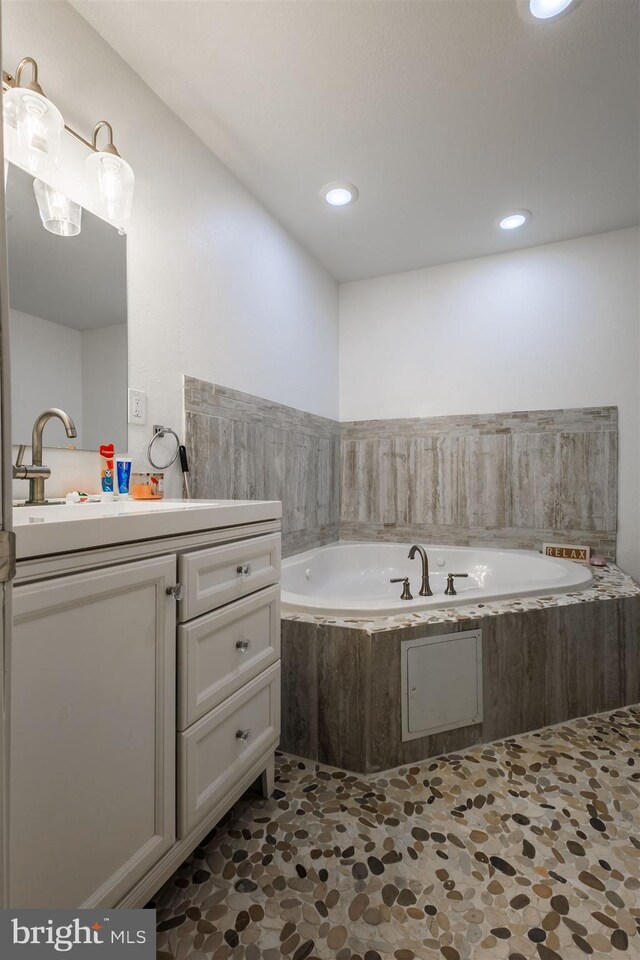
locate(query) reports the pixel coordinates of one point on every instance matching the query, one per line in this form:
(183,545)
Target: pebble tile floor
(526,847)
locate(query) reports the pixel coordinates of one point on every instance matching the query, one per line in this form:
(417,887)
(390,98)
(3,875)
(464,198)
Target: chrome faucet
(425,589)
(35,473)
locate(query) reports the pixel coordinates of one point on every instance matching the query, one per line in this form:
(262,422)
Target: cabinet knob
(243,735)
(243,645)
(244,569)
(176,591)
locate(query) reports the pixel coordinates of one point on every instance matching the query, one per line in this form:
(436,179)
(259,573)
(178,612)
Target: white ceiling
(444,113)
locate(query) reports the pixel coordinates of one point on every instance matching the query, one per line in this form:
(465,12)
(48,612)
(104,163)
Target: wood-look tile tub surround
(512,479)
(242,447)
(341,691)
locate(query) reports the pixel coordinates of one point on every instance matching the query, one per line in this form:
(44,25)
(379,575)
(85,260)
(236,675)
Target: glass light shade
(110,181)
(59,215)
(38,127)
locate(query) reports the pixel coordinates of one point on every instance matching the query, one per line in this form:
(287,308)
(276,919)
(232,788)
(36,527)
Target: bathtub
(352,579)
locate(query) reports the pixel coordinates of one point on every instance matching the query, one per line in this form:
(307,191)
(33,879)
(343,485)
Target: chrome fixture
(158,432)
(406,592)
(34,126)
(35,473)
(425,589)
(451,591)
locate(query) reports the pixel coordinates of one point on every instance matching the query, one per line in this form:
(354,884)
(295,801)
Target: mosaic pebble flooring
(527,847)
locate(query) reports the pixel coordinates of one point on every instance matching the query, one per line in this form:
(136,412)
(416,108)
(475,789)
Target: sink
(62,527)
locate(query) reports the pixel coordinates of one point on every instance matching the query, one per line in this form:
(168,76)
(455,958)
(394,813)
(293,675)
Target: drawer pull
(243,645)
(243,735)
(176,591)
(244,569)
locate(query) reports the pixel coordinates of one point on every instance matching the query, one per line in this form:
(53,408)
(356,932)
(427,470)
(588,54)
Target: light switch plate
(137,406)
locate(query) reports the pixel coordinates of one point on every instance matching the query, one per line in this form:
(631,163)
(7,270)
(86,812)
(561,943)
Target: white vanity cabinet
(137,720)
(92,764)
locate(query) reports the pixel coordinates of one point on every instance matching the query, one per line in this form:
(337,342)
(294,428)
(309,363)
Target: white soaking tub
(352,579)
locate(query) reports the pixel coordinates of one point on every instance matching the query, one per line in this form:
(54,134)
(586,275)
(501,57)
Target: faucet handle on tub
(406,592)
(451,591)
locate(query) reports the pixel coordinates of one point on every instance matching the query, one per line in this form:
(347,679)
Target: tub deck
(545,660)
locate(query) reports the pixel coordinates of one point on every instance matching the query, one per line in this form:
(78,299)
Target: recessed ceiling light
(339,194)
(548,9)
(515,219)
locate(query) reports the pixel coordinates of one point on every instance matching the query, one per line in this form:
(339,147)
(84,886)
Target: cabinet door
(92,793)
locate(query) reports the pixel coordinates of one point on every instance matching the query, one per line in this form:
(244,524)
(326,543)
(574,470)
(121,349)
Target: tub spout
(425,589)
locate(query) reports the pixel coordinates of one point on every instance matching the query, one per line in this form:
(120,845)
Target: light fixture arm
(109,146)
(31,84)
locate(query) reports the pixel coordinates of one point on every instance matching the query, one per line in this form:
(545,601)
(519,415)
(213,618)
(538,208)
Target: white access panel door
(441,683)
(92,789)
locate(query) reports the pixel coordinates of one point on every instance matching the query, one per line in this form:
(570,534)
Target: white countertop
(62,527)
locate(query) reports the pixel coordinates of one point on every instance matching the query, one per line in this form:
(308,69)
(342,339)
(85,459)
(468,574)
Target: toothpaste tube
(123,471)
(106,470)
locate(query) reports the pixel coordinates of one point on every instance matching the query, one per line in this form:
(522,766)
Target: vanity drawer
(219,575)
(212,756)
(213,657)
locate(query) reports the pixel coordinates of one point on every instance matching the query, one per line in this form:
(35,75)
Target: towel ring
(159,431)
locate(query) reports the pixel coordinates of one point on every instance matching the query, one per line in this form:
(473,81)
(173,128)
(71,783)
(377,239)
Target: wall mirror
(68,319)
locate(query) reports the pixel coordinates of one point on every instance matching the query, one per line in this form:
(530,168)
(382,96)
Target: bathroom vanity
(145,689)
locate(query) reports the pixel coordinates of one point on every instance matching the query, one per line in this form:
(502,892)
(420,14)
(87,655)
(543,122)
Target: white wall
(552,326)
(104,387)
(54,380)
(217,288)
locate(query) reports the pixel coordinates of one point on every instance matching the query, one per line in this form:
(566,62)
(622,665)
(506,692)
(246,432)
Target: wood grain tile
(540,667)
(243,447)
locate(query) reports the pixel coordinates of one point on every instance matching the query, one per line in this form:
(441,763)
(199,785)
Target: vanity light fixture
(34,123)
(549,9)
(58,213)
(339,194)
(34,126)
(515,219)
(109,178)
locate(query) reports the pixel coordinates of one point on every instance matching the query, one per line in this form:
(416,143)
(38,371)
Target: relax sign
(566,551)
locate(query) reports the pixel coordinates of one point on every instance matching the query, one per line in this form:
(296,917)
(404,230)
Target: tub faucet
(406,592)
(36,473)
(425,589)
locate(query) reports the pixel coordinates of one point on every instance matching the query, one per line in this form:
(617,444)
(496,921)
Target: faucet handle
(451,591)
(406,592)
(19,470)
